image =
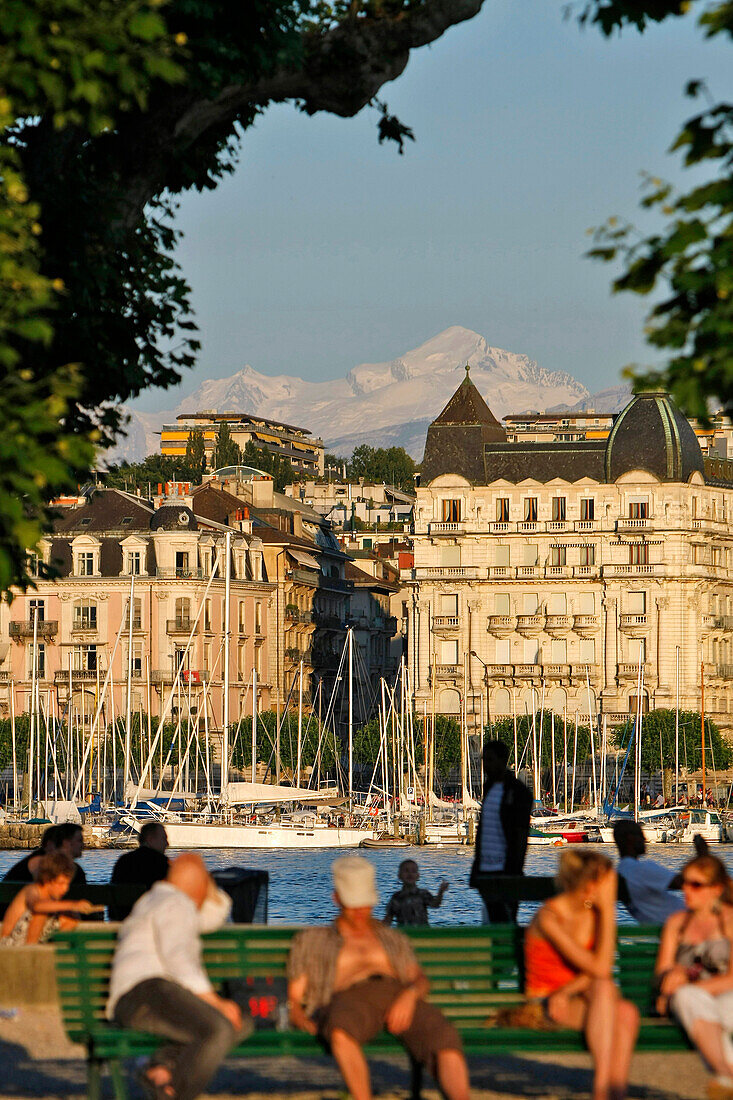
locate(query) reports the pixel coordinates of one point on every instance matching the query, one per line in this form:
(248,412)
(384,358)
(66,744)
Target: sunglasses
(695,883)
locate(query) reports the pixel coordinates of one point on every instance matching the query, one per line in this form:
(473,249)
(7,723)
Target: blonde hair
(577,867)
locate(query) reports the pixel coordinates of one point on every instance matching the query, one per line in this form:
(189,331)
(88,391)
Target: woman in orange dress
(569,949)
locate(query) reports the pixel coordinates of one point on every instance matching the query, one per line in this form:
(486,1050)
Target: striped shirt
(314,952)
(493,841)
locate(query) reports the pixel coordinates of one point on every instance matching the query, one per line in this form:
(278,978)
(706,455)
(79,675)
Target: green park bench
(473,970)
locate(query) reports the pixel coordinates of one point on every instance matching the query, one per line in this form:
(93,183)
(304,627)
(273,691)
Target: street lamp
(486,683)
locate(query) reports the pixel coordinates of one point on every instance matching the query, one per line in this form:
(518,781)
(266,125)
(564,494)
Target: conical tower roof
(455,440)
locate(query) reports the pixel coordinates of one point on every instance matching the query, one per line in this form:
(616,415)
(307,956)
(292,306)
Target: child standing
(409,906)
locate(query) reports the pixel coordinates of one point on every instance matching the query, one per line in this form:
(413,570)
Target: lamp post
(486,685)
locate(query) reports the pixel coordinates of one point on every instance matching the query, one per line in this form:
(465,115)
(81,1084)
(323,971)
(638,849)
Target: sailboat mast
(702,723)
(128,707)
(351,717)
(677,727)
(300,724)
(224,793)
(34,672)
(254,724)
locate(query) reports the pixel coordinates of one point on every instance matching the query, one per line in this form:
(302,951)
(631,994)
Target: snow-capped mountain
(384,404)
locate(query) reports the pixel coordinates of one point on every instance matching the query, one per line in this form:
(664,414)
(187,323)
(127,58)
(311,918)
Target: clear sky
(325,250)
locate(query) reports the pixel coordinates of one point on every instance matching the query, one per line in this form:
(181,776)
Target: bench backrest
(471,968)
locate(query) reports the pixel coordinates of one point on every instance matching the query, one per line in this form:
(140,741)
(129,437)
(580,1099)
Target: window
(503,651)
(207,615)
(137,613)
(502,510)
(557,604)
(502,604)
(206,656)
(715,555)
(449,603)
(587,555)
(637,650)
(137,659)
(451,511)
(531,553)
(450,557)
(530,509)
(448,652)
(134,562)
(40,661)
(37,608)
(85,615)
(639,553)
(558,509)
(181,563)
(639,509)
(587,603)
(33,564)
(258,660)
(258,617)
(531,651)
(85,563)
(530,603)
(241,663)
(84,658)
(183,612)
(636,603)
(241,616)
(587,509)
(558,555)
(588,651)
(698,554)
(502,556)
(558,651)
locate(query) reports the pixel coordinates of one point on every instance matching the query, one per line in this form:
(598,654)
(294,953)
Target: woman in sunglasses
(694,970)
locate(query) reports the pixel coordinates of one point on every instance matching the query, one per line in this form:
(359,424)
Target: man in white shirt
(158,982)
(650,886)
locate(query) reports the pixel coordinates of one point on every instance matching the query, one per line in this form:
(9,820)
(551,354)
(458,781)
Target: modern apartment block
(304,451)
(549,571)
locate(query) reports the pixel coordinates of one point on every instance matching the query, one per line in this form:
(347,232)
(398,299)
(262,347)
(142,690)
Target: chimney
(160,488)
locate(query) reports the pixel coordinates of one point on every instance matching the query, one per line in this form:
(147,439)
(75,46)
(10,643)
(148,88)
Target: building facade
(106,546)
(303,450)
(550,573)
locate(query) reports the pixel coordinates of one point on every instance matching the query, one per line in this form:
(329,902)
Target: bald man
(159,984)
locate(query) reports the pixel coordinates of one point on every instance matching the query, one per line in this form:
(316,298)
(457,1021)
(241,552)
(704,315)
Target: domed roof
(174,517)
(652,434)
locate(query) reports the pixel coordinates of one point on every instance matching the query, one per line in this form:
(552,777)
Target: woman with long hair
(694,968)
(569,950)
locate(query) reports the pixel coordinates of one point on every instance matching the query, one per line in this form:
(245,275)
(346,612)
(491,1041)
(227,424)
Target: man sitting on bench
(357,976)
(159,984)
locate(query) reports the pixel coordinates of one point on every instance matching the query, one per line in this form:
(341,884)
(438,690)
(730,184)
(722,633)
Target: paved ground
(36,1060)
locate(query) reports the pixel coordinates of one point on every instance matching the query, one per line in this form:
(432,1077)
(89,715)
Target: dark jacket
(142,866)
(20,872)
(516,806)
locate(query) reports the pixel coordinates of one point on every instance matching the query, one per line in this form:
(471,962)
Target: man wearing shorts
(348,981)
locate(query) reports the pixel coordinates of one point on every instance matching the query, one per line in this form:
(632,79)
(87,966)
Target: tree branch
(341,71)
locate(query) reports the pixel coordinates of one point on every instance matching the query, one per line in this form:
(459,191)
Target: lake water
(300,881)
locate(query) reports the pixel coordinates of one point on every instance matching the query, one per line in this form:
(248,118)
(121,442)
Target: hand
(662,1005)
(84,906)
(444,884)
(401,1011)
(673,980)
(607,890)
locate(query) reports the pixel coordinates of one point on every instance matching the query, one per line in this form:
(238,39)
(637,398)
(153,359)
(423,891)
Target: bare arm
(14,911)
(297,988)
(402,1009)
(596,962)
(722,983)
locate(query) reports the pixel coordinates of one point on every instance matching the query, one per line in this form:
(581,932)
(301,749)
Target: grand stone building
(548,571)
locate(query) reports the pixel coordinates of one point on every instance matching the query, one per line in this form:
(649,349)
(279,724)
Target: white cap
(355,882)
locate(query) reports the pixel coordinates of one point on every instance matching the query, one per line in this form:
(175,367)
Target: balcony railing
(181,574)
(558,624)
(557,571)
(327,622)
(501,624)
(447,528)
(448,672)
(530,624)
(585,525)
(528,672)
(499,526)
(632,622)
(23,628)
(454,572)
(630,671)
(629,570)
(81,627)
(62,674)
(500,571)
(179,626)
(585,623)
(528,571)
(556,672)
(499,672)
(713,622)
(446,622)
(528,525)
(628,522)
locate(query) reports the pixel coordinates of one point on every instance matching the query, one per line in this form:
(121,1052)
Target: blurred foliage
(688,266)
(658,741)
(318,742)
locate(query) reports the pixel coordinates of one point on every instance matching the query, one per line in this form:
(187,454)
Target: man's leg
(498,911)
(353,1017)
(202,1035)
(350,1060)
(434,1042)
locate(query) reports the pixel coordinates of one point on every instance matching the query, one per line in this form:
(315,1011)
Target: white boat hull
(187,834)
